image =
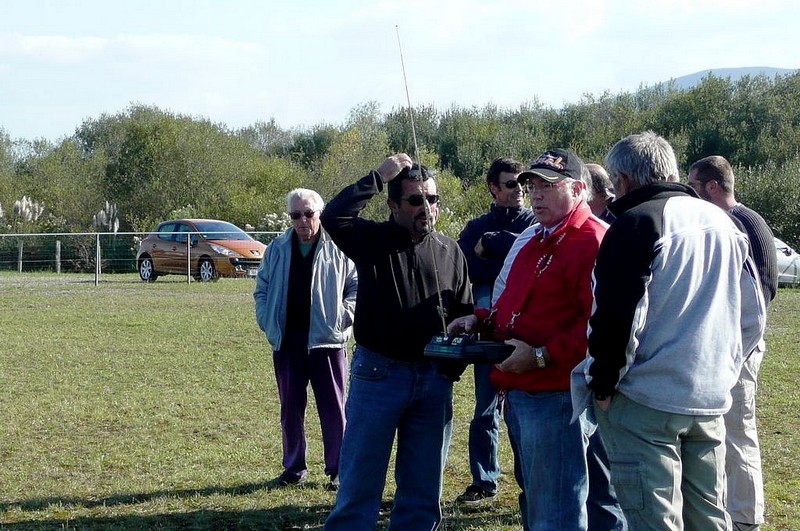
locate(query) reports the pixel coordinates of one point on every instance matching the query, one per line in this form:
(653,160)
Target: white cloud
(55,49)
(313,61)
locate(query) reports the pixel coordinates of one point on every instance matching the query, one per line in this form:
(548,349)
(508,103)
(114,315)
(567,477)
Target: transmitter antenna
(421,191)
(408,99)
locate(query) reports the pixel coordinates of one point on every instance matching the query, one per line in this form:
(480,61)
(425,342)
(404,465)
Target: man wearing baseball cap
(544,315)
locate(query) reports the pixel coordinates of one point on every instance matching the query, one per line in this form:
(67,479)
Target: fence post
(19,256)
(189,258)
(97,262)
(58,257)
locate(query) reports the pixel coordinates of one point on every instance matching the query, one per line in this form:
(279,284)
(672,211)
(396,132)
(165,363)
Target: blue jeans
(552,454)
(388,397)
(517,469)
(484,431)
(602,506)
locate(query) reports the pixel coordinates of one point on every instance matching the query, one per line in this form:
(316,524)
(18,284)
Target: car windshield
(221,230)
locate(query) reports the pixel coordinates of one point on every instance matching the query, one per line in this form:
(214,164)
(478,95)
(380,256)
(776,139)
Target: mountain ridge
(690,80)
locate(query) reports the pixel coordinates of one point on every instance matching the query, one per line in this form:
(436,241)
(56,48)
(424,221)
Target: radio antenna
(422,192)
(408,99)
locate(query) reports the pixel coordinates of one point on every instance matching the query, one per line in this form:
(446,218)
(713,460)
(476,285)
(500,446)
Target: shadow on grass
(37,504)
(287,517)
(279,518)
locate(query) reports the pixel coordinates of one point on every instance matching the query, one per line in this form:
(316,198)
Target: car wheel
(206,270)
(147,271)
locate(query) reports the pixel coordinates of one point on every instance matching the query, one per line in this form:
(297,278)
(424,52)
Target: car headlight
(224,250)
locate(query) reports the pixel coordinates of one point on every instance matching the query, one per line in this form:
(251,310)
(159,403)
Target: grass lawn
(130,405)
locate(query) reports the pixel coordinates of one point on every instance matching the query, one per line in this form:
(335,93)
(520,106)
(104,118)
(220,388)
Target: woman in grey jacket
(305,298)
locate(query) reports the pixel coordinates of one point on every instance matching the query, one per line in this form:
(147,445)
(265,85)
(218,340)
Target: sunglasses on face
(297,215)
(416,200)
(511,184)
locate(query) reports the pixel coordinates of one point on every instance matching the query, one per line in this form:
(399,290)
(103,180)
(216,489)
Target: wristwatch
(539,353)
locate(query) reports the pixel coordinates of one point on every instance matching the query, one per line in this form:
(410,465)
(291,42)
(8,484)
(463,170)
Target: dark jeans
(604,511)
(484,431)
(325,369)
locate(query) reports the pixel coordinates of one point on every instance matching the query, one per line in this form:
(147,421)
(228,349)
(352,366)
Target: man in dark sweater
(485,241)
(713,180)
(412,282)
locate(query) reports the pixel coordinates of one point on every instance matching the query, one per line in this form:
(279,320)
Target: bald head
(601,193)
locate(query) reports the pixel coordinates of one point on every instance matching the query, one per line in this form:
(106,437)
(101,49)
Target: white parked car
(788,264)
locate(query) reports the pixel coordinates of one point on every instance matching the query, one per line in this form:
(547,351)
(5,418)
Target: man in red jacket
(544,314)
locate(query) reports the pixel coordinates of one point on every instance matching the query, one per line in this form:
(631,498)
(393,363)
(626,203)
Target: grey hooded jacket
(334,284)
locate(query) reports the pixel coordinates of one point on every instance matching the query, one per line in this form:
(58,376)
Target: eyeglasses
(541,188)
(699,184)
(297,215)
(511,184)
(416,200)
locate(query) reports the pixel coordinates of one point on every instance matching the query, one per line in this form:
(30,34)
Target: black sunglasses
(511,184)
(308,213)
(416,200)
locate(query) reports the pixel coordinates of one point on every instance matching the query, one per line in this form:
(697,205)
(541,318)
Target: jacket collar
(289,233)
(649,192)
(506,212)
(576,217)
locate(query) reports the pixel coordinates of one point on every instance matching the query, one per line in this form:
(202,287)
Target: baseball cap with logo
(553,166)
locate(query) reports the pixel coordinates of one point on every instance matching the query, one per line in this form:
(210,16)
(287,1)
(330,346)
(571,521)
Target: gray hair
(304,194)
(644,158)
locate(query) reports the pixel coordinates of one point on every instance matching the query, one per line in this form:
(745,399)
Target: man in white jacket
(305,299)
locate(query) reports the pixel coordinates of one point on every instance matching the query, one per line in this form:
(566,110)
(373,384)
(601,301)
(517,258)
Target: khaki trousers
(668,469)
(743,454)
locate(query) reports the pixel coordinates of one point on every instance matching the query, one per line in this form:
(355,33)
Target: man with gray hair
(676,304)
(305,301)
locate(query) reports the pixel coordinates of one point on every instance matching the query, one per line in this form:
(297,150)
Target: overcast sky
(307,62)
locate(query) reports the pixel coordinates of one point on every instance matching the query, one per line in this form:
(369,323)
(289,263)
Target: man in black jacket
(486,241)
(412,282)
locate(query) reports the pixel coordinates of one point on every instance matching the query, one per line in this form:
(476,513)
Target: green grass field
(130,405)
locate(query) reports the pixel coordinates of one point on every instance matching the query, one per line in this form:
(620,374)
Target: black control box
(463,347)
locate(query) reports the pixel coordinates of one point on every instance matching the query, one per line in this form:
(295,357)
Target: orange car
(217,248)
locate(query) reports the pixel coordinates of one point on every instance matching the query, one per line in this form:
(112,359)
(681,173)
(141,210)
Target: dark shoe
(290,480)
(475,496)
(333,484)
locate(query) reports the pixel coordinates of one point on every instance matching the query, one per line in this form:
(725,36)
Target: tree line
(147,164)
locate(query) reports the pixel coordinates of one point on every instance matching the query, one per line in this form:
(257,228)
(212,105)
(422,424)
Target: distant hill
(686,82)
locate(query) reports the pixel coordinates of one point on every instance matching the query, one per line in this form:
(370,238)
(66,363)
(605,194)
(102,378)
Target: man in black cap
(544,314)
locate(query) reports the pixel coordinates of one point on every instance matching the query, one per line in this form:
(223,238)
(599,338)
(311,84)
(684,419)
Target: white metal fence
(98,253)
